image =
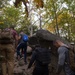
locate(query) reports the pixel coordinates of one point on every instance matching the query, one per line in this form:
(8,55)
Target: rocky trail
(21,68)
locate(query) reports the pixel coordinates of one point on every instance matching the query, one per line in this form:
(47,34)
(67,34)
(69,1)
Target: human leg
(25,53)
(37,71)
(18,50)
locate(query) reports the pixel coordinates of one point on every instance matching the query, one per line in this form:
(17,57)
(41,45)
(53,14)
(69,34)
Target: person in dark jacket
(22,45)
(40,68)
(63,58)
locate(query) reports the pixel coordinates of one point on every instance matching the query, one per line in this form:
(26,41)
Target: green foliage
(64,12)
(59,16)
(11,15)
(3,3)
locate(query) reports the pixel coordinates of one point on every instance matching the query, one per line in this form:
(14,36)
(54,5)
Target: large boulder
(29,49)
(45,35)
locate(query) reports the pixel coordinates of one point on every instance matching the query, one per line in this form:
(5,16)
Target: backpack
(71,59)
(6,37)
(43,56)
(25,38)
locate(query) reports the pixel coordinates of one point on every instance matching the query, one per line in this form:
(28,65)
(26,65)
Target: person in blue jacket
(22,45)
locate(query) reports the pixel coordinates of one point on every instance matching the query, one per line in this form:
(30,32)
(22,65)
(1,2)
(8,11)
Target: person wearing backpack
(63,58)
(6,52)
(15,36)
(22,45)
(41,57)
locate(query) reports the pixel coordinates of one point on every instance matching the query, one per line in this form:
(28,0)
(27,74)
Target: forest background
(56,16)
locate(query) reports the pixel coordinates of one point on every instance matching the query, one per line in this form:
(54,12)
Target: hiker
(15,36)
(22,45)
(41,57)
(63,58)
(7,52)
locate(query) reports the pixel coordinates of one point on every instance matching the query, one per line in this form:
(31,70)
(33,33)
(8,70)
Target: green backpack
(71,58)
(6,37)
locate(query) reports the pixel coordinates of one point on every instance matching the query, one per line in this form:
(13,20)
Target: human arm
(32,59)
(61,59)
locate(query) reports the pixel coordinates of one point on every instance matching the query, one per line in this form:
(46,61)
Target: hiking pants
(22,46)
(7,50)
(41,71)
